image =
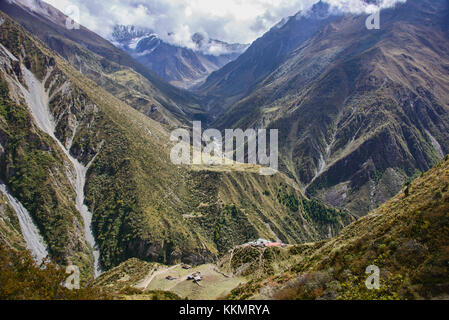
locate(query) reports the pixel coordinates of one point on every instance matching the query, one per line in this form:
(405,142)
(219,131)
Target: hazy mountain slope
(107,65)
(10,231)
(143,206)
(182,67)
(359,111)
(407,238)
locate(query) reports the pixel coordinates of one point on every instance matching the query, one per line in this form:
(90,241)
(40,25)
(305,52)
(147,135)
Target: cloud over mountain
(176,21)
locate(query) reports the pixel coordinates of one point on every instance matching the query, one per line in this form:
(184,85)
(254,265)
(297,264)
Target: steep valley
(359,111)
(86,176)
(113,69)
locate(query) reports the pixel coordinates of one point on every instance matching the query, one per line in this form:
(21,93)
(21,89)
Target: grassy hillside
(359,112)
(35,170)
(407,238)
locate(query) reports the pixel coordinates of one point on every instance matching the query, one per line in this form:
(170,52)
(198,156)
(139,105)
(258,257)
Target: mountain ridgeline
(182,67)
(359,111)
(110,67)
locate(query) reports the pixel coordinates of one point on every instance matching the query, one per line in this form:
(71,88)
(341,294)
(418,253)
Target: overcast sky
(229,20)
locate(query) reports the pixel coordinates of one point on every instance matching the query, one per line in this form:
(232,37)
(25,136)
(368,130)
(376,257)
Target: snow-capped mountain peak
(179,65)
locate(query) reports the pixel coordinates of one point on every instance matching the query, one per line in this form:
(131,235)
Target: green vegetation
(407,238)
(350,131)
(288,200)
(349,137)
(29,162)
(320,213)
(121,279)
(10,231)
(142,205)
(22,279)
(232,228)
(131,293)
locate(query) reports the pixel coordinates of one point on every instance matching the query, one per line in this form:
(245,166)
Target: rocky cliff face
(239,78)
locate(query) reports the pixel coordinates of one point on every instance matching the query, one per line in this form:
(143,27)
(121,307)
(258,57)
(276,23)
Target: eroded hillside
(359,111)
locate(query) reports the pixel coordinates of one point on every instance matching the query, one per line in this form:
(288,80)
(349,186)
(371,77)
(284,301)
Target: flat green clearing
(213,286)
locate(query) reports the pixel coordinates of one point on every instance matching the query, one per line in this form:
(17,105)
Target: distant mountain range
(91,112)
(182,67)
